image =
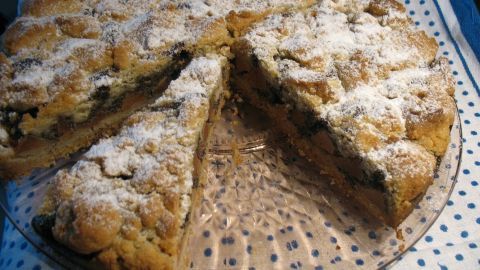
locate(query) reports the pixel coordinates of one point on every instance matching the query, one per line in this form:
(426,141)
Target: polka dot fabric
(18,253)
(454,239)
(284,239)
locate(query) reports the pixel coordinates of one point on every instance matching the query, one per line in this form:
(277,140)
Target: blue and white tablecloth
(453,242)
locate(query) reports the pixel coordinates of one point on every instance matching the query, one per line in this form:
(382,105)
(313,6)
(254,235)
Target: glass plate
(264,207)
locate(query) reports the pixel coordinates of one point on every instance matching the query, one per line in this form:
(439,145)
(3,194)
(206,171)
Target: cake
(128,197)
(352,83)
(358,90)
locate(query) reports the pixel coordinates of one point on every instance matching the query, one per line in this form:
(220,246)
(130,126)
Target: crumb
(237,157)
(399,234)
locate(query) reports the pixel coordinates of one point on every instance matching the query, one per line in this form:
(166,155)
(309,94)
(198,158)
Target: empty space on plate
(271,208)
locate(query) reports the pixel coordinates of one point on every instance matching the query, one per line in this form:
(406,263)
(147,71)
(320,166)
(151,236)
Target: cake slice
(71,71)
(128,198)
(358,89)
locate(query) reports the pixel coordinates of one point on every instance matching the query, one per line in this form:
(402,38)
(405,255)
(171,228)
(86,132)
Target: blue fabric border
(464,63)
(469,19)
